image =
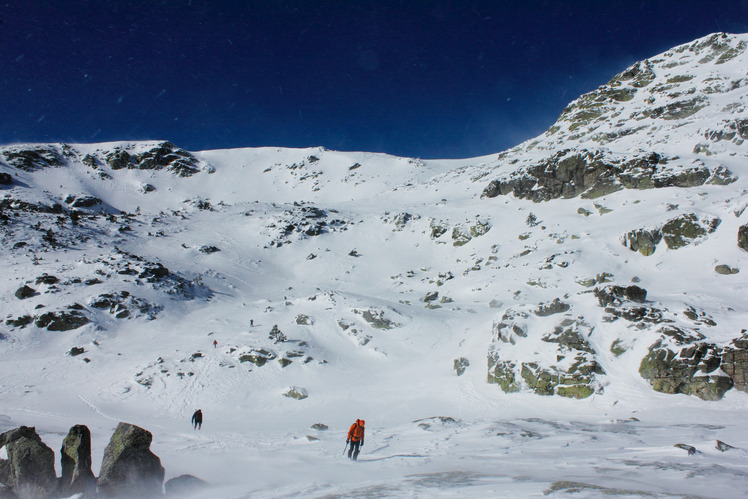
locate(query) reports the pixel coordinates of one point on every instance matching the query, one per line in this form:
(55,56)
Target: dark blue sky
(445,79)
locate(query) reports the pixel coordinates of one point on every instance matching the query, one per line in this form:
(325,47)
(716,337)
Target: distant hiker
(215,343)
(355,438)
(251,322)
(197,419)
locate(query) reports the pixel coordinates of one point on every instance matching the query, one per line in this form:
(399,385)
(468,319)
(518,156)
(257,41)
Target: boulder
(726,270)
(460,365)
(129,467)
(75,461)
(743,237)
(30,469)
(6,179)
(25,292)
(643,241)
(185,485)
(296,392)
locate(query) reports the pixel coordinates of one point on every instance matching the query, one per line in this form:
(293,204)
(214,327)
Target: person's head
(361,422)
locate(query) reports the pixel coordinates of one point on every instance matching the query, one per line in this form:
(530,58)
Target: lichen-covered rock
(502,373)
(524,355)
(129,468)
(75,461)
(258,357)
(681,362)
(296,392)
(685,229)
(726,270)
(642,240)
(30,468)
(677,233)
(460,365)
(462,234)
(377,319)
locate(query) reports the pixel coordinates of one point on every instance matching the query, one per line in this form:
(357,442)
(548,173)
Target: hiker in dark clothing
(197,419)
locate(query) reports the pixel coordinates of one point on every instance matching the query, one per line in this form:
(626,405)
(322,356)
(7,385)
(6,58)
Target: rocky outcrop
(75,461)
(591,174)
(33,157)
(29,470)
(616,295)
(681,362)
(62,320)
(164,156)
(6,179)
(553,355)
(129,467)
(82,201)
(735,361)
(676,232)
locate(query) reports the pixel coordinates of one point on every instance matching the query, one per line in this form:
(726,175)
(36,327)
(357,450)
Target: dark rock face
(615,295)
(62,320)
(164,156)
(743,237)
(553,307)
(30,468)
(735,362)
(75,461)
(33,158)
(6,179)
(82,201)
(25,292)
(129,468)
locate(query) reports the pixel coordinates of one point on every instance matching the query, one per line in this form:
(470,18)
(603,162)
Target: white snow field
(343,252)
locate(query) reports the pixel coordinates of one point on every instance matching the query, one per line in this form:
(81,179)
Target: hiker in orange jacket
(355,438)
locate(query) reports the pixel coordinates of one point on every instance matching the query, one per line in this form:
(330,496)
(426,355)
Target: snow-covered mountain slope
(599,263)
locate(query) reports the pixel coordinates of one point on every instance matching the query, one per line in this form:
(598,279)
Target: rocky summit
(602,262)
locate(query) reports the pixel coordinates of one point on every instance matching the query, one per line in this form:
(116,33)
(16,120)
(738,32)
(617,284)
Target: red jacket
(356,432)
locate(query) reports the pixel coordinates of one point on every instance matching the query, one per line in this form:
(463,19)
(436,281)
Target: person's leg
(355,452)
